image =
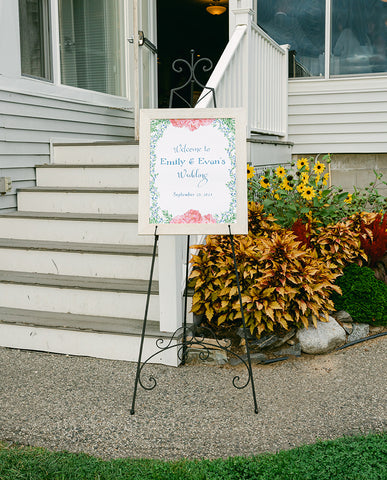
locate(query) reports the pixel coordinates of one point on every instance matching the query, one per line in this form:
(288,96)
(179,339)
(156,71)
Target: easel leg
(243,322)
(145,320)
(184,355)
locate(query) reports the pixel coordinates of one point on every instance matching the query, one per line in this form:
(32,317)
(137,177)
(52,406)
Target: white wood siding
(346,115)
(29,122)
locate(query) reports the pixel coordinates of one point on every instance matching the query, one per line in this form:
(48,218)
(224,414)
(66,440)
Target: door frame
(137,65)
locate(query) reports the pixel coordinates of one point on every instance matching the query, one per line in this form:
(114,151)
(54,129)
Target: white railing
(253,73)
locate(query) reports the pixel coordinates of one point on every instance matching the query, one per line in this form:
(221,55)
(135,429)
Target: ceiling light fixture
(215,8)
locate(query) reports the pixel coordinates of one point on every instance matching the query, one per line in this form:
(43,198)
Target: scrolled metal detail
(179,65)
(151,380)
(203,67)
(194,339)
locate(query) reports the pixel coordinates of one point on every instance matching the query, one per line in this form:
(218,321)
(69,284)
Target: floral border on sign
(157,130)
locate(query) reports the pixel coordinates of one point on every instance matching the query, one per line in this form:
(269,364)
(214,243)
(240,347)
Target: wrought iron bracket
(192,67)
(193,339)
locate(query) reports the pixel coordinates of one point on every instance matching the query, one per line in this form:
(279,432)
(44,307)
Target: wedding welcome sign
(192,171)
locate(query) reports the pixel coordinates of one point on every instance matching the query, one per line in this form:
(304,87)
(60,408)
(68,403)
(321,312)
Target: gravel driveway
(82,404)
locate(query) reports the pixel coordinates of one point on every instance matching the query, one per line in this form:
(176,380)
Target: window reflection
(34,38)
(358,37)
(358,34)
(301,24)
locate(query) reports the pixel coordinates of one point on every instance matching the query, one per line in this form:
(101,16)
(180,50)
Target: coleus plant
(283,283)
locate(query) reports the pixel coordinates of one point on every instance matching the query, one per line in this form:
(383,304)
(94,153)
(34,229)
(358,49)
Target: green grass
(354,458)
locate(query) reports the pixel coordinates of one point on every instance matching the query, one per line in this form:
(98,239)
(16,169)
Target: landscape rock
(254,358)
(348,327)
(325,338)
(215,357)
(343,316)
(376,330)
(360,330)
(272,341)
(294,350)
(241,333)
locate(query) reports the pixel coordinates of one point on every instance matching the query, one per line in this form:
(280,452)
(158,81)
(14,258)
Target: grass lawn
(346,458)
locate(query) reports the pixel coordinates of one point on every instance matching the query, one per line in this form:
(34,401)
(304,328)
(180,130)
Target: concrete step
(71,227)
(87,335)
(87,176)
(95,153)
(267,151)
(91,323)
(107,297)
(83,259)
(119,201)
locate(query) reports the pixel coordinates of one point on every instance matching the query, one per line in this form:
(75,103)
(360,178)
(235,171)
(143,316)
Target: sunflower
(317,179)
(285,185)
(301,187)
(325,179)
(303,162)
(264,182)
(280,172)
(304,177)
(250,171)
(349,198)
(308,193)
(319,168)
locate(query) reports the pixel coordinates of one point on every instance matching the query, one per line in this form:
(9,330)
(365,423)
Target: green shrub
(364,297)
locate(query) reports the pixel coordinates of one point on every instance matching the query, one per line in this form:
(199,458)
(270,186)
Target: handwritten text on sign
(192,171)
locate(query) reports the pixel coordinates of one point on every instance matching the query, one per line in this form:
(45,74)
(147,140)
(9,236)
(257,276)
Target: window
(92,45)
(35,51)
(357,40)
(359,37)
(301,24)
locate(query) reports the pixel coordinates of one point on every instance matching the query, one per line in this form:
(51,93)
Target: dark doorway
(183,25)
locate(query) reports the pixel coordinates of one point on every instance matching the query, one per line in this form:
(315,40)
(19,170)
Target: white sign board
(193,171)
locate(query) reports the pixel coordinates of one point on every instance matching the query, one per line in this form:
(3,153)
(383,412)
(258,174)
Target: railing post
(235,6)
(171,278)
(285,92)
(244,16)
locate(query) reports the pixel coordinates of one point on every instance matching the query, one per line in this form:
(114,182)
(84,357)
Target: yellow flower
(303,162)
(325,179)
(308,193)
(304,177)
(264,182)
(285,185)
(301,187)
(276,196)
(317,179)
(250,171)
(349,198)
(319,167)
(280,172)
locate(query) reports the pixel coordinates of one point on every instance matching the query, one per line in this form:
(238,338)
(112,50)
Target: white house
(311,74)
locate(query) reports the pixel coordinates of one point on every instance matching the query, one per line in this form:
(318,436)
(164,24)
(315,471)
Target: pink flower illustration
(193,216)
(192,124)
(208,219)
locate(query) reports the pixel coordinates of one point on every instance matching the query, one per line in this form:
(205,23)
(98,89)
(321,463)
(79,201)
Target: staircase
(73,271)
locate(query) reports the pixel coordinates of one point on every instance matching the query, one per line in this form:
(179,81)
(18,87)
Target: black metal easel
(187,335)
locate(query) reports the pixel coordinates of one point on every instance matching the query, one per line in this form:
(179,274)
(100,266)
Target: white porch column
(171,254)
(235,8)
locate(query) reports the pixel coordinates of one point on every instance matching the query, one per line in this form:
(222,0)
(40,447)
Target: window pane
(92,45)
(359,37)
(34,38)
(301,24)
